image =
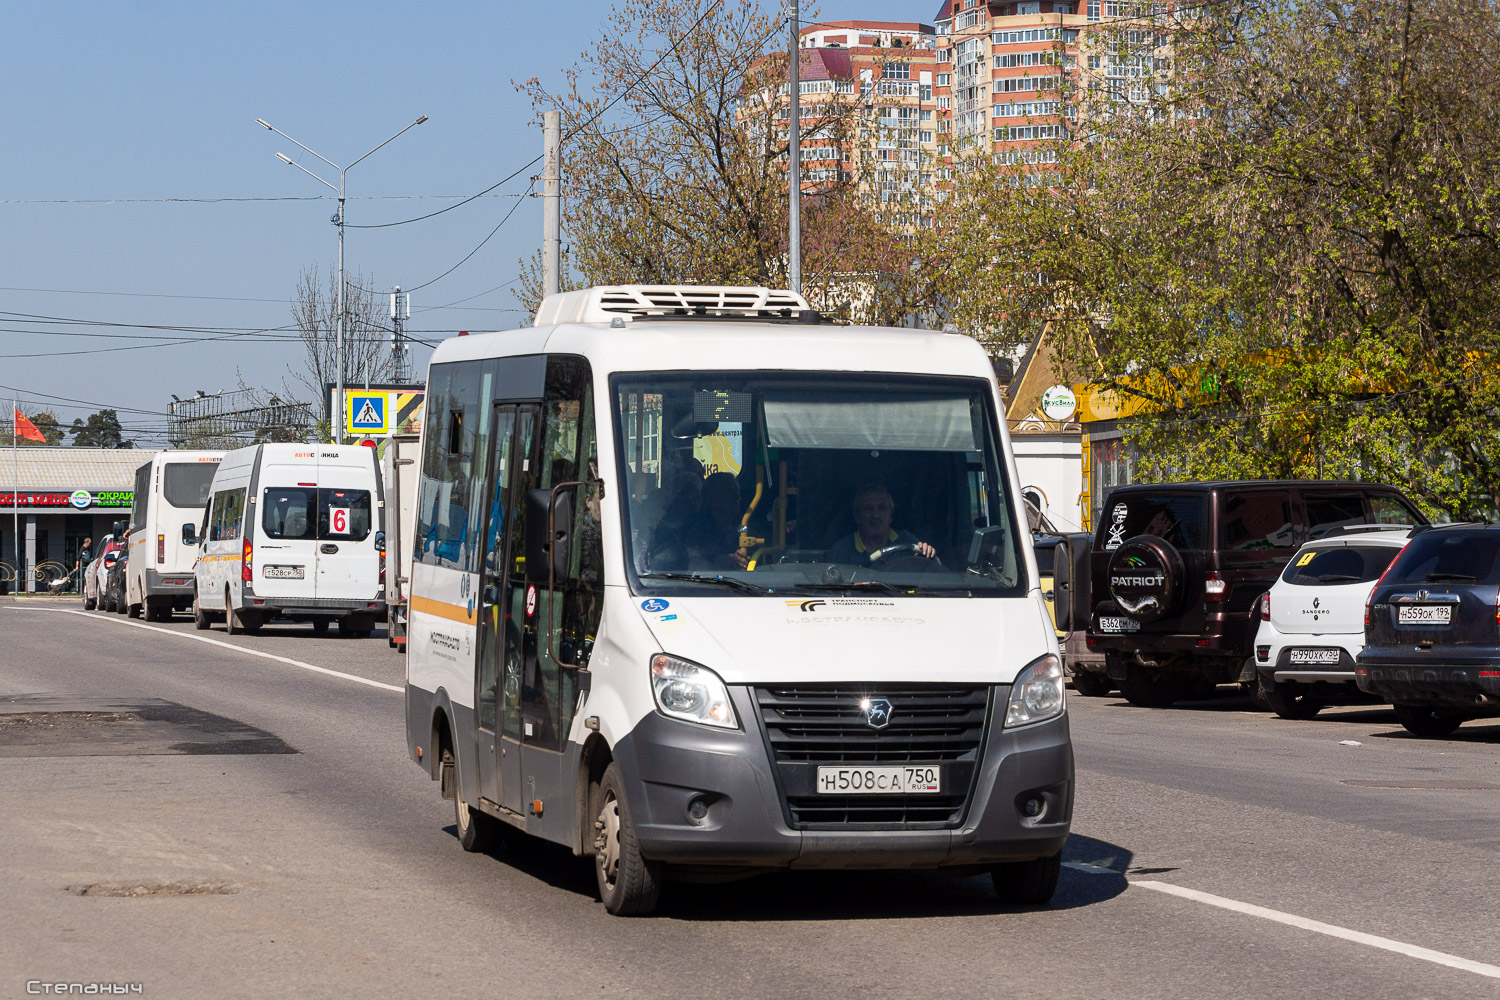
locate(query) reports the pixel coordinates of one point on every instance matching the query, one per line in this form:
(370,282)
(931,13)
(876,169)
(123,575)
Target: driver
(873,508)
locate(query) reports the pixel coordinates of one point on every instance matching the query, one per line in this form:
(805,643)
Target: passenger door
(518,643)
(496,641)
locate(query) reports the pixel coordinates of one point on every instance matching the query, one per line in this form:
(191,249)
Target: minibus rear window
(186,484)
(302,512)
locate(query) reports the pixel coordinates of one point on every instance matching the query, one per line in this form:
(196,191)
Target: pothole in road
(146,888)
(1410,785)
(52,726)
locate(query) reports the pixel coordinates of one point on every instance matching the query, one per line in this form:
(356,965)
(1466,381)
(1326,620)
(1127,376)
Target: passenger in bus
(700,529)
(873,510)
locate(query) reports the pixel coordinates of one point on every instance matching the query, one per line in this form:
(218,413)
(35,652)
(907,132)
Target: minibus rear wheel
(1027,883)
(629,885)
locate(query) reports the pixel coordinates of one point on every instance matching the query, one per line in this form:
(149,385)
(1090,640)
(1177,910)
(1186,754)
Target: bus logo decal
(877,712)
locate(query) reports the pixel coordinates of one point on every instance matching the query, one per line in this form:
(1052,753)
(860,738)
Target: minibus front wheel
(1027,883)
(477,833)
(629,885)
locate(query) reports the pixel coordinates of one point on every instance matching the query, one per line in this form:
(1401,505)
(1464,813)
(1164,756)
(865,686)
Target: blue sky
(114,112)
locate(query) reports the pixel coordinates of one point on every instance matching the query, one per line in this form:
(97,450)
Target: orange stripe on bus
(452,612)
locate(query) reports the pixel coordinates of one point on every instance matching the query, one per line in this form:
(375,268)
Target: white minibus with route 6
(293,531)
(171,491)
(704,587)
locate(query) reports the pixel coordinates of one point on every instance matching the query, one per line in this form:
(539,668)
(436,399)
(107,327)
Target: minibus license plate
(1425,614)
(285,572)
(879,780)
(1314,656)
(1118,625)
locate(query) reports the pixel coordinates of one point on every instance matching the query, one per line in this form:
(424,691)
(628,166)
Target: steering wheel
(899,549)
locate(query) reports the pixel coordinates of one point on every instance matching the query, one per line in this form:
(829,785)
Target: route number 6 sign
(338,520)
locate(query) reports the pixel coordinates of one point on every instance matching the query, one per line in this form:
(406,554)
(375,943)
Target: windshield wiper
(1338,578)
(1450,578)
(725,581)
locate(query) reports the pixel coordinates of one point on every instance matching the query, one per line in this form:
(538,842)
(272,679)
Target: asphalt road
(296,851)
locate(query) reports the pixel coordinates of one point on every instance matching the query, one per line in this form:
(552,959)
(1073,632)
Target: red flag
(27,430)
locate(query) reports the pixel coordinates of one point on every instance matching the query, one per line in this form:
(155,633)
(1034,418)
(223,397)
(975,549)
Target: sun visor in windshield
(803,420)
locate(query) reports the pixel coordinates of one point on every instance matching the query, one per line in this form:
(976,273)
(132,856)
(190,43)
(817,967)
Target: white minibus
(171,491)
(293,531)
(703,587)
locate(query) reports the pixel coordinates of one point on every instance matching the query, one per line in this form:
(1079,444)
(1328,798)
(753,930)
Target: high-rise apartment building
(868,111)
(1007,73)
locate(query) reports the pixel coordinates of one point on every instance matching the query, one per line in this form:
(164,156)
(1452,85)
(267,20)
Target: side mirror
(189,535)
(118,529)
(380,541)
(548,547)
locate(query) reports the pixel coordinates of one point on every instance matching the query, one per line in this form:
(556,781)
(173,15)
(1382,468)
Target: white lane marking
(227,645)
(1332,930)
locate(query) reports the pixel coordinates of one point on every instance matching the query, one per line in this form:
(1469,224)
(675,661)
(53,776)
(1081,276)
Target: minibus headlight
(689,692)
(1037,694)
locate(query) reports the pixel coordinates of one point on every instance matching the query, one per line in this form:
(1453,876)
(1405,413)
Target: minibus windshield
(814,482)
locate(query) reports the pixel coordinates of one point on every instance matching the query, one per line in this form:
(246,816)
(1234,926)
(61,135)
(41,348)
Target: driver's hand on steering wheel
(925,551)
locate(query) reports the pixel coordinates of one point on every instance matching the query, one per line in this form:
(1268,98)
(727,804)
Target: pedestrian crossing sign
(367,413)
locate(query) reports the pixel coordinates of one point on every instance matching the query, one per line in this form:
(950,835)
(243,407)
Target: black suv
(1432,630)
(1177,569)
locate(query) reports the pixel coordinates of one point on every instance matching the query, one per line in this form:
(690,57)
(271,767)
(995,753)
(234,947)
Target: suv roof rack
(609,303)
(1335,530)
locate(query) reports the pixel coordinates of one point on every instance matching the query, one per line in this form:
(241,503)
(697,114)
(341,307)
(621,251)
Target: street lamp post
(339,322)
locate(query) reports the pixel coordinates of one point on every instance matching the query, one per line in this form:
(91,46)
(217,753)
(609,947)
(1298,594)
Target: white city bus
(646,624)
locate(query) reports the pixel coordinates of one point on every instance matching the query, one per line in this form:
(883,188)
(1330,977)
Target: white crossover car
(1312,623)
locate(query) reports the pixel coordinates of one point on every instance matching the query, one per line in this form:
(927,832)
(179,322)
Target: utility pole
(551,190)
(400,313)
(794,171)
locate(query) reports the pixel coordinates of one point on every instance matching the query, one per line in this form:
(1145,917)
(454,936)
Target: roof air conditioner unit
(605,303)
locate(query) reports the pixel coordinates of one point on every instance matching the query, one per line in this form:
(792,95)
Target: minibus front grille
(808,726)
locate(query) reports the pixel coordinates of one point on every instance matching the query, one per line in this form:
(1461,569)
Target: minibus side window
(234,511)
(453,465)
(142,491)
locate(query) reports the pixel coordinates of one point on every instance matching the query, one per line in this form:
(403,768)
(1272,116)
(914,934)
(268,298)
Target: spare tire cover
(1146,577)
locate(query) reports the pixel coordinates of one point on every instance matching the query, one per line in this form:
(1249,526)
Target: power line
(232,200)
(482,242)
(138,295)
(16,390)
(572,132)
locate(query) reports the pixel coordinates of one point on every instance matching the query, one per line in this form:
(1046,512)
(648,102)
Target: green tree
(1284,235)
(100,430)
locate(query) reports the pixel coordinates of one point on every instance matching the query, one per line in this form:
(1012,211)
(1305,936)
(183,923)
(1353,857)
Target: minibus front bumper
(708,798)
